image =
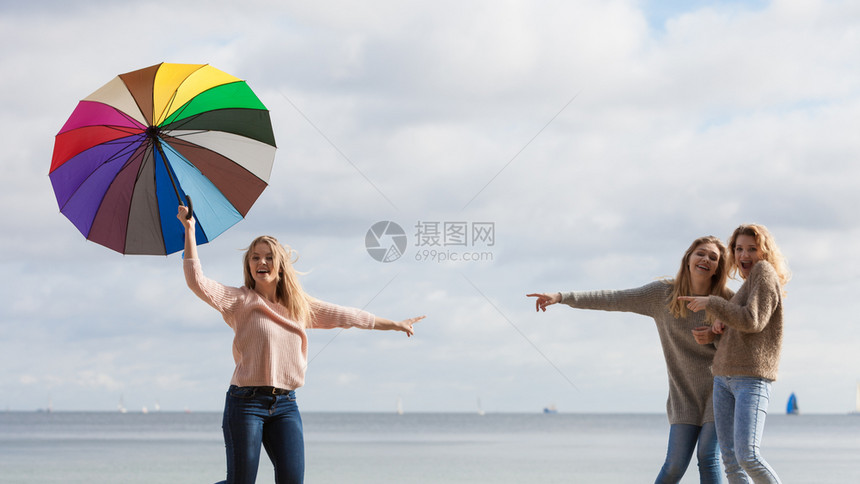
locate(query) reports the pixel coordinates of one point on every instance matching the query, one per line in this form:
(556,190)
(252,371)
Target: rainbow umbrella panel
(151,139)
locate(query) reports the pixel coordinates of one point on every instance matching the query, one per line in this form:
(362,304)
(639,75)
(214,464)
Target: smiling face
(746,254)
(704,261)
(262,264)
(702,271)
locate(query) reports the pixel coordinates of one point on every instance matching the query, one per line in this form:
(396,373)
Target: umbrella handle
(190,207)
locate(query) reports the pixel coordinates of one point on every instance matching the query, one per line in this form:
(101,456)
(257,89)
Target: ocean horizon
(417,447)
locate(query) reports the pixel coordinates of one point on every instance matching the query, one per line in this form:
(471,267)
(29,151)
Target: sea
(346,448)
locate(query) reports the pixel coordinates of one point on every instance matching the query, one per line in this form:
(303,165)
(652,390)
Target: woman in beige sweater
(748,353)
(689,406)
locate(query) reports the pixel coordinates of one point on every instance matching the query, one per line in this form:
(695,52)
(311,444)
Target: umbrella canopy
(148,140)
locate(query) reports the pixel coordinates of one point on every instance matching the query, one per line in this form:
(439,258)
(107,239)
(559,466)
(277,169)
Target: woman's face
(746,254)
(704,261)
(261,263)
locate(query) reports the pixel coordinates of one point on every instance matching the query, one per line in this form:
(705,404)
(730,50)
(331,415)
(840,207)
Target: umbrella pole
(170,175)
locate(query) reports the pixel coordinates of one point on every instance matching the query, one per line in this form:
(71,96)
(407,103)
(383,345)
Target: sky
(591,141)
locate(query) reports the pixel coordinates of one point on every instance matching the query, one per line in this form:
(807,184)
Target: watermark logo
(385,241)
(452,234)
(436,241)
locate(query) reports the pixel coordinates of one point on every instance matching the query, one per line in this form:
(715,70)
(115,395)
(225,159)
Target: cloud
(599,138)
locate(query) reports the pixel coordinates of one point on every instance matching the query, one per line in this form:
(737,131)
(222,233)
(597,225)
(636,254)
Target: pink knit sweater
(269,347)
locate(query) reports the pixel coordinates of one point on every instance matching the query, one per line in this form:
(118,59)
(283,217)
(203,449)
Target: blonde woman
(748,354)
(689,406)
(269,316)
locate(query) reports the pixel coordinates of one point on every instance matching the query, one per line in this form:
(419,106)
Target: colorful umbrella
(151,139)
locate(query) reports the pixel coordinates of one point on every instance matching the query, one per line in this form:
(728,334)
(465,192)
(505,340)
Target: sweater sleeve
(646,300)
(223,298)
(327,315)
(753,306)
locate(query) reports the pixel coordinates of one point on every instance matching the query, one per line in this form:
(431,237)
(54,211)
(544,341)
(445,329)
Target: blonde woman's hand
(384,324)
(184,218)
(406,325)
(695,303)
(543,300)
(703,335)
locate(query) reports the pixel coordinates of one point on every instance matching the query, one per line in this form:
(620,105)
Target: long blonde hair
(767,247)
(289,291)
(682,285)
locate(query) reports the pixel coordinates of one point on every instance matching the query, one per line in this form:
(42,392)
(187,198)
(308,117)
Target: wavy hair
(767,247)
(289,291)
(683,286)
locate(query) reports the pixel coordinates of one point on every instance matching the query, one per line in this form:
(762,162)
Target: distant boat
(48,409)
(550,409)
(857,402)
(791,407)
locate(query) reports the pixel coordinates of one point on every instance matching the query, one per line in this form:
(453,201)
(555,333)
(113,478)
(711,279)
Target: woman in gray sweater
(689,406)
(747,360)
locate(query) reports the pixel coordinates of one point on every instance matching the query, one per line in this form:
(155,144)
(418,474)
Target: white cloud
(411,111)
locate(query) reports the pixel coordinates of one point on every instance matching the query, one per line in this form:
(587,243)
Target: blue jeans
(683,439)
(252,419)
(740,409)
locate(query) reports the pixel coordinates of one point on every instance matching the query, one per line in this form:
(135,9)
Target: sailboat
(48,409)
(857,402)
(791,407)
